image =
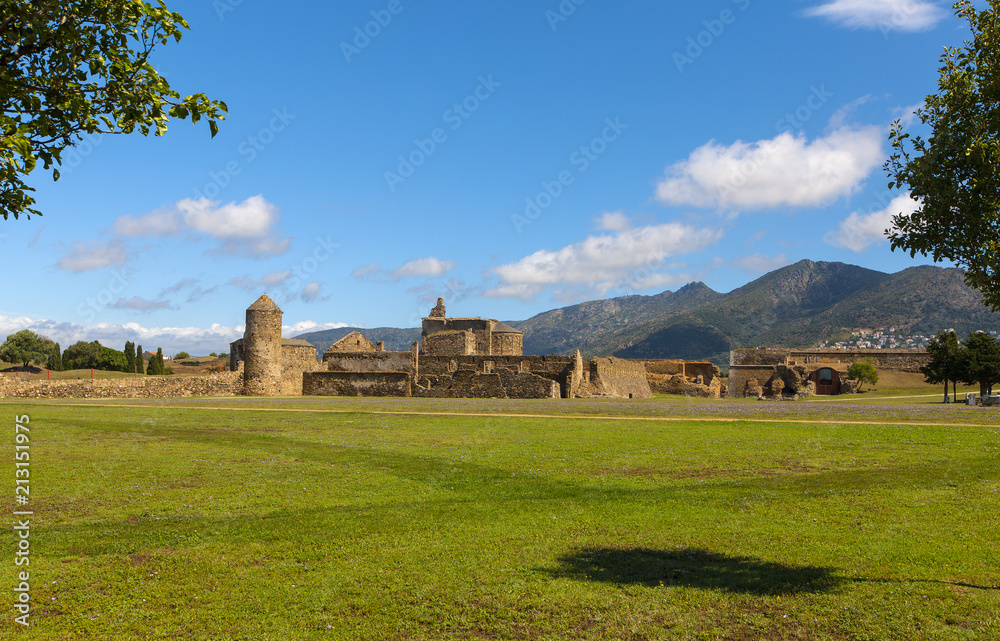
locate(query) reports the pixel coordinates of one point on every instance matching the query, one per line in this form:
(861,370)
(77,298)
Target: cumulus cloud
(195,340)
(248,228)
(613,221)
(310,293)
(601,263)
(424,268)
(140,304)
(93,254)
(859,230)
(885,15)
(785,170)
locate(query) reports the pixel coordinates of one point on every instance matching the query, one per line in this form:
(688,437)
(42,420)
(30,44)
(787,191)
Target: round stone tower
(262,349)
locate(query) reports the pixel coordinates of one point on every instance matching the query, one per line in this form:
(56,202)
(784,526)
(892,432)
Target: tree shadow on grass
(686,567)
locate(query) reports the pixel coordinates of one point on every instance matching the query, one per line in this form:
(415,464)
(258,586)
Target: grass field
(342,518)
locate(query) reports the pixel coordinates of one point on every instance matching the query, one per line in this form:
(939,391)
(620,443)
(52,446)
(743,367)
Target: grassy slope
(182,523)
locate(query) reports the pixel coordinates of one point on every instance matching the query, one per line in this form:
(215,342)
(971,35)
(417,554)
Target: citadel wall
(749,366)
(221,384)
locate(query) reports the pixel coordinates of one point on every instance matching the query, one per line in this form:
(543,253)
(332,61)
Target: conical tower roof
(264,304)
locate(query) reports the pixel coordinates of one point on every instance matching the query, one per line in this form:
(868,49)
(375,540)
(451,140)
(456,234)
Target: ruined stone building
(794,373)
(471,358)
(272,365)
(455,358)
(460,358)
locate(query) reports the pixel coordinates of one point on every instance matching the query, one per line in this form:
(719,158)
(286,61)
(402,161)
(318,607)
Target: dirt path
(651,419)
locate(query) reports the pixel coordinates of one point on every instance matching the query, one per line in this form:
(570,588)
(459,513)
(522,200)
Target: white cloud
(885,15)
(424,268)
(908,115)
(162,222)
(305,327)
(603,262)
(247,228)
(366,271)
(785,170)
(196,340)
(858,231)
(140,304)
(93,254)
(272,279)
(613,221)
(759,263)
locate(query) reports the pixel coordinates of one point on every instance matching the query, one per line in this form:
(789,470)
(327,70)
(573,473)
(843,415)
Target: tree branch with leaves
(954,174)
(79,67)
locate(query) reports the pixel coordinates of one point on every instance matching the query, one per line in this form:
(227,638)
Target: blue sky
(510,157)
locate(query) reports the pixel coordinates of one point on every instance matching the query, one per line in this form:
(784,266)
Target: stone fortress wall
(474,358)
(757,371)
(221,384)
(462,357)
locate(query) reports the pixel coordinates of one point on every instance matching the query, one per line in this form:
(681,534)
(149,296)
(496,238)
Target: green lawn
(362,518)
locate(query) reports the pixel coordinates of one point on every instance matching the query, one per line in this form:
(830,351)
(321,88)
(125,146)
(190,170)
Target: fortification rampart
(500,383)
(747,366)
(347,383)
(222,384)
(297,357)
(616,377)
(894,360)
(368,361)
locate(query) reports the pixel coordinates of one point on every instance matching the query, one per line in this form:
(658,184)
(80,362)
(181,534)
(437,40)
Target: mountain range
(796,306)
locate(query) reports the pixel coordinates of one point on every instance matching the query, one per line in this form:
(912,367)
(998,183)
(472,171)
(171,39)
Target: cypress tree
(140,366)
(55,360)
(129,356)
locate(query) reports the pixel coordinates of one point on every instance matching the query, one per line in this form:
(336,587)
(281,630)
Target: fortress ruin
(456,358)
(794,373)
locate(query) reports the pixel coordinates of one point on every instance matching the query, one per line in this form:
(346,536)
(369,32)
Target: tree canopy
(943,366)
(954,174)
(26,347)
(81,355)
(864,372)
(979,362)
(75,67)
